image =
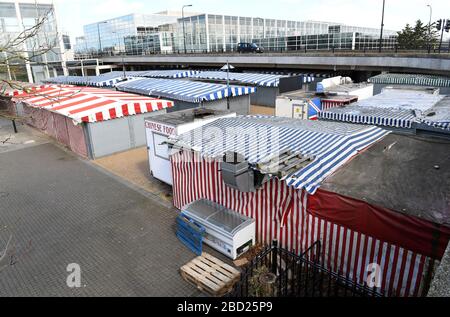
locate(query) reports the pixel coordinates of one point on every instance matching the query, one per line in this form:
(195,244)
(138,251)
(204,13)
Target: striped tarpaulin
(175,73)
(264,80)
(85,104)
(381,117)
(412,80)
(185,90)
(307,77)
(103,80)
(345,251)
(21,88)
(437,124)
(257,138)
(337,102)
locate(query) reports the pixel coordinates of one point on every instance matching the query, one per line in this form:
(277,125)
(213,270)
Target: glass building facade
(138,34)
(221,33)
(45,48)
(130,33)
(329,41)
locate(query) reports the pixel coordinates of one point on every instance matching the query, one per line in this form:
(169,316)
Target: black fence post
(14,125)
(274,257)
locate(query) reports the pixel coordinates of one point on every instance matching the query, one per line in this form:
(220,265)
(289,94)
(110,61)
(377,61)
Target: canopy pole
(228,85)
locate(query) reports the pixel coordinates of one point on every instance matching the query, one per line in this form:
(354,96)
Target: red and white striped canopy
(14,89)
(85,104)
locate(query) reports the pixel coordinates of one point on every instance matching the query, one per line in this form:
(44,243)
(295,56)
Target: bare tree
(26,47)
(29,46)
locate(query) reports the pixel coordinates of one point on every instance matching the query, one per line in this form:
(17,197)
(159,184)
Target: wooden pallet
(284,163)
(210,275)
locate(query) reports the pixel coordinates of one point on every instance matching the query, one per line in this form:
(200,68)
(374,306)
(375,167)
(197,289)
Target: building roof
(175,73)
(263,80)
(329,97)
(411,79)
(392,108)
(348,88)
(184,90)
(439,115)
(402,173)
(85,104)
(329,144)
(181,117)
(340,98)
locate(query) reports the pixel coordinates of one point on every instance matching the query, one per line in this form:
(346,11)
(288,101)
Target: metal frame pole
(99,39)
(184,26)
(382,27)
(429,28)
(444,21)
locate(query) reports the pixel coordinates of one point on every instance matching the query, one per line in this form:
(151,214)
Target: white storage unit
(343,86)
(298,105)
(227,231)
(159,128)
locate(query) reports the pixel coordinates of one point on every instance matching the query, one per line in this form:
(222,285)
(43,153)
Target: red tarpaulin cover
(412,233)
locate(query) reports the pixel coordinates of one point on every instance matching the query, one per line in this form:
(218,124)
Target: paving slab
(133,166)
(58,210)
(26,136)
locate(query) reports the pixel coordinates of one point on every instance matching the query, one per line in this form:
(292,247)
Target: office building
(130,32)
(167,32)
(217,33)
(43,55)
(328,41)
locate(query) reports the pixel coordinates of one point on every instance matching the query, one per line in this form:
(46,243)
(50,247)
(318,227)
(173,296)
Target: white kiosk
(159,128)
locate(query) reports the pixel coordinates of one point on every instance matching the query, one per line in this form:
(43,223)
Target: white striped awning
(175,73)
(392,108)
(86,104)
(382,117)
(103,80)
(184,90)
(411,80)
(263,80)
(258,137)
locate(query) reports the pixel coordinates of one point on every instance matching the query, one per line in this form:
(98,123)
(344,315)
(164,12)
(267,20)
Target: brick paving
(60,210)
(133,166)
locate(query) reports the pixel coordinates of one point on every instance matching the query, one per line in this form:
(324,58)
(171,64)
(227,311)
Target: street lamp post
(429,28)
(99,38)
(382,27)
(184,31)
(118,40)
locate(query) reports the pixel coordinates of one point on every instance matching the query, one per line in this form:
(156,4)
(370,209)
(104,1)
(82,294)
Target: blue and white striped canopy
(367,115)
(175,73)
(263,80)
(184,90)
(411,79)
(103,80)
(257,137)
(392,108)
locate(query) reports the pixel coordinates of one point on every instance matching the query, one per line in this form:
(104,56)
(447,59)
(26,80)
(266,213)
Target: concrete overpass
(438,64)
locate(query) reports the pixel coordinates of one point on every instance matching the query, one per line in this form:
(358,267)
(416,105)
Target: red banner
(409,232)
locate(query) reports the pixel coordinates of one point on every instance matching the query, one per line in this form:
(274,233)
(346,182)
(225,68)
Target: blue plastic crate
(190,233)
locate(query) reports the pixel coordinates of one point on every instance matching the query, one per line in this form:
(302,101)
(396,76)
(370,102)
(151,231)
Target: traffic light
(439,25)
(447,26)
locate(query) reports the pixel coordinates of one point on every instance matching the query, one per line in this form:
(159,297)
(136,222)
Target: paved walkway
(26,136)
(133,166)
(61,210)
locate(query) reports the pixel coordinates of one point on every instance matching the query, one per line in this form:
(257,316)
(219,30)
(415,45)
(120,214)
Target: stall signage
(160,128)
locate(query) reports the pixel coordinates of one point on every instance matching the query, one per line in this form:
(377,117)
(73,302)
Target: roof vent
(236,172)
